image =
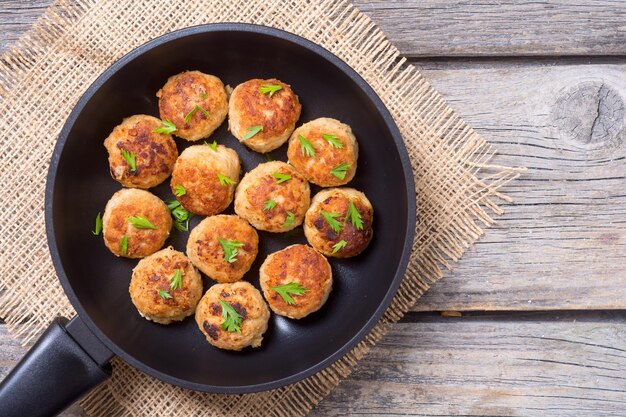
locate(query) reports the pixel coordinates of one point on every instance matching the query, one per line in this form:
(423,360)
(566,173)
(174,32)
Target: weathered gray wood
(461,28)
(490,366)
(488,28)
(486,365)
(16,17)
(562,244)
(10,353)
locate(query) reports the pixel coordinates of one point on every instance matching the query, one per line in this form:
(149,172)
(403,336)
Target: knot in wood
(590,115)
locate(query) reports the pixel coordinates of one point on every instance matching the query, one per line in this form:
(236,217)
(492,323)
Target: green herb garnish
(130,159)
(280,177)
(212,145)
(195,109)
(180,214)
(333,140)
(179,190)
(232,319)
(286,290)
(204,96)
(166,127)
(230,249)
(306,147)
(140,222)
(98,228)
(270,89)
(289,220)
(340,170)
(182,226)
(339,245)
(176,280)
(252,131)
(224,180)
(269,205)
(331,219)
(124,245)
(164,294)
(355,216)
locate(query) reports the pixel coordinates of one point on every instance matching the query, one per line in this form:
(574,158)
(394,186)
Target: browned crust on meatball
(277,114)
(258,186)
(301,264)
(155,153)
(154,273)
(318,168)
(182,92)
(249,304)
(320,234)
(208,255)
(115,225)
(197,170)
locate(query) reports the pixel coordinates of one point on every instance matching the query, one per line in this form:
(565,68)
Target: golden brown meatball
(153,154)
(339,222)
(223,247)
(273,197)
(195,102)
(205,177)
(268,104)
(165,286)
(135,223)
(296,281)
(233,316)
(325,151)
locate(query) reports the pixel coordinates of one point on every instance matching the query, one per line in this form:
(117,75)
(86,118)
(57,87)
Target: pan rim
(323,54)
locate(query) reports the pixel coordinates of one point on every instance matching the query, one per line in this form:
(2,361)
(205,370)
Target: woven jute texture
(45,73)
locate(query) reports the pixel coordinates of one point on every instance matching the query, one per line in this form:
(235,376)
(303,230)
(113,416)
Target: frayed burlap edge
(455,185)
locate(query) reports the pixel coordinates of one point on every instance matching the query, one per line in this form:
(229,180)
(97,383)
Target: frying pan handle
(65,363)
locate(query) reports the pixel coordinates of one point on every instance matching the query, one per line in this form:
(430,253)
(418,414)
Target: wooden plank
(562,244)
(483,365)
(16,17)
(421,28)
(488,366)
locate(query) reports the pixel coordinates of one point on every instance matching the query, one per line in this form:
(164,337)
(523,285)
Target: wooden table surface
(543,293)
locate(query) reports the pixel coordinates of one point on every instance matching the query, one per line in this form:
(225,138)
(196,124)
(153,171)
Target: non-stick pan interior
(97,282)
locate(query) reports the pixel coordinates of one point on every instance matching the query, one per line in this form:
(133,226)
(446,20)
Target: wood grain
(16,17)
(421,28)
(562,244)
(440,28)
(532,366)
(507,364)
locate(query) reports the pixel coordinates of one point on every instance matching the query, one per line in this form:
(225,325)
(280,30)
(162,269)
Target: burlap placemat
(50,67)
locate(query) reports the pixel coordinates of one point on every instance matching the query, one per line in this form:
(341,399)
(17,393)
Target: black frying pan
(71,358)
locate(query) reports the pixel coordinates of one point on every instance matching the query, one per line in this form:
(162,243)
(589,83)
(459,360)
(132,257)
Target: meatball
(273,197)
(205,177)
(268,107)
(150,156)
(325,151)
(233,316)
(196,103)
(339,222)
(165,286)
(223,247)
(135,223)
(296,281)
